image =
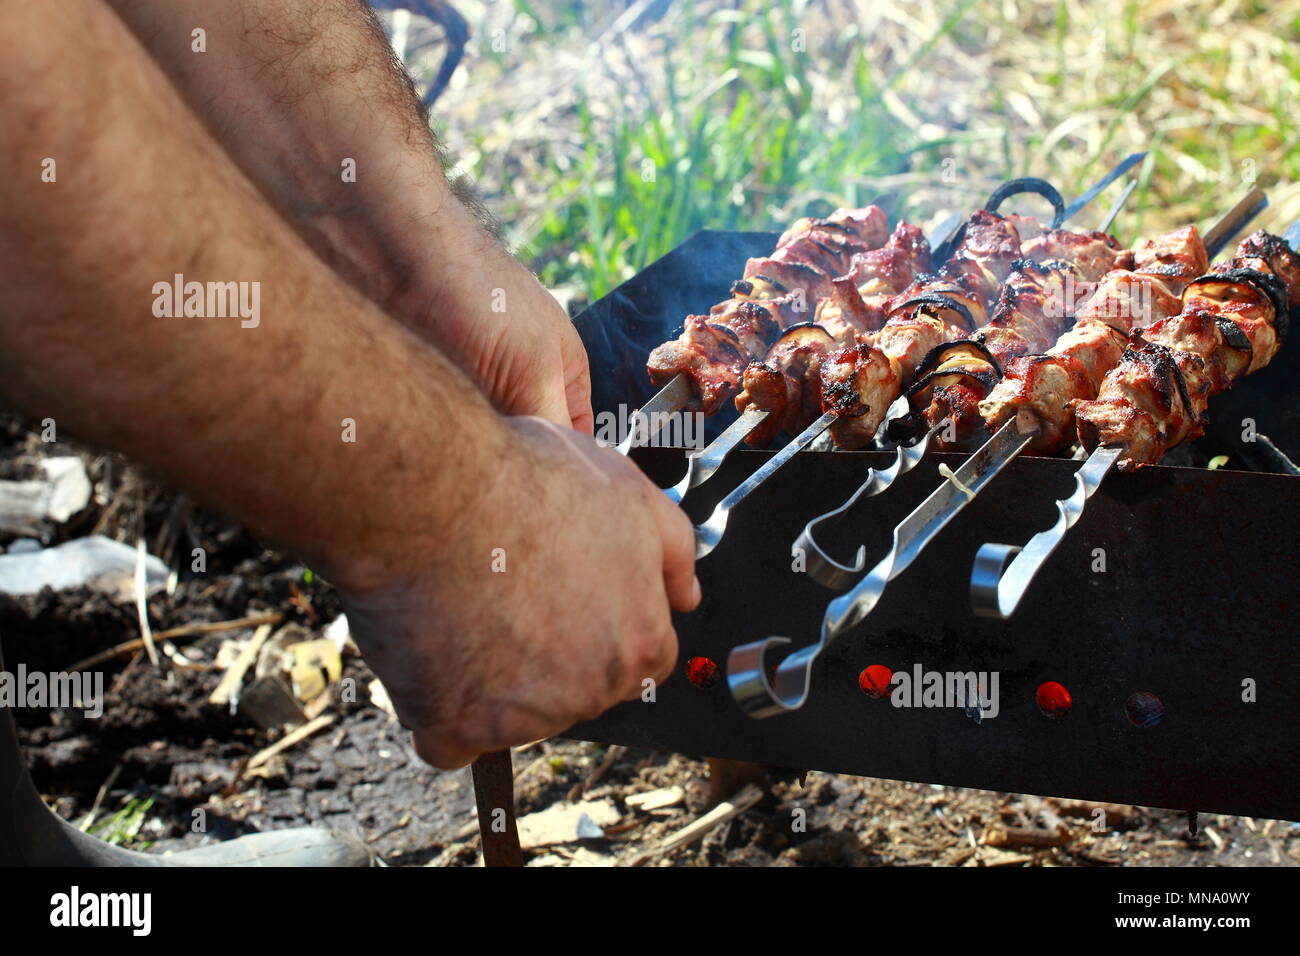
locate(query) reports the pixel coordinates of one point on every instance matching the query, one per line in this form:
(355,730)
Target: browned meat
(1038,389)
(1270,253)
(1179,256)
(797,358)
(956,379)
(1129,300)
(1153,399)
(713,365)
(858,383)
(1211,337)
(765,387)
(869,227)
(1092,254)
(778,291)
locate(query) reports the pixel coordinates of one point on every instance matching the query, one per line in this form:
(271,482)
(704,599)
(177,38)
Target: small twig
(89,818)
(288,740)
(230,681)
(611,757)
(142,603)
(727,810)
(185,630)
(1000,836)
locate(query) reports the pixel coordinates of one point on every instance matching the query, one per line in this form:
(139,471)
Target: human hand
(547,603)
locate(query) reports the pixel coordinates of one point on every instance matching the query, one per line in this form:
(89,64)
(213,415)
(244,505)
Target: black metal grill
(1197,603)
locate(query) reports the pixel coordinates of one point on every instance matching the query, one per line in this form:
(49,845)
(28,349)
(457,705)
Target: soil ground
(159,740)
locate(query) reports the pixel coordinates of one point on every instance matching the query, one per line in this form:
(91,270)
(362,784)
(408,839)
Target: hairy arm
(407,519)
(294,89)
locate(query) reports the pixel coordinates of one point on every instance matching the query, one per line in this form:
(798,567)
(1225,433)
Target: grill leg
(494,794)
(729,777)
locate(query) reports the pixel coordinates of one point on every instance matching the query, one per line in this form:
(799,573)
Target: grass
(123,827)
(603,134)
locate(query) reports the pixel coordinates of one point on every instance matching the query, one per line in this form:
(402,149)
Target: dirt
(160,739)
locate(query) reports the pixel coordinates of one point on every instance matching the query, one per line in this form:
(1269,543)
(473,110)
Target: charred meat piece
(1128,300)
(778,291)
(1038,388)
(957,377)
(1267,252)
(856,306)
(1179,256)
(858,384)
(713,364)
(796,357)
(1254,301)
(1152,400)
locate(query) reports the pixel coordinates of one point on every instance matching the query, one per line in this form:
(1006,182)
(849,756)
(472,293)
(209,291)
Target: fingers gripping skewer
(1002,573)
(746,666)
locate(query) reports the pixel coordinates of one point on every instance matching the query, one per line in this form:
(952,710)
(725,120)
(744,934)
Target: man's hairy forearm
(294,89)
(249,418)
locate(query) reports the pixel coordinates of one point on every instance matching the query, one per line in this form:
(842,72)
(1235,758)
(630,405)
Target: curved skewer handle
(1002,573)
(821,567)
(746,668)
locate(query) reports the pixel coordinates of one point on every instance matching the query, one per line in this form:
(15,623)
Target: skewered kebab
(989,240)
(1232,323)
(1071,368)
(931,306)
(776,292)
(1009,359)
(966,285)
(787,382)
(700,369)
(680,393)
(787,690)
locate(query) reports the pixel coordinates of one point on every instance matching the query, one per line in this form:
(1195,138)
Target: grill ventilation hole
(1144,709)
(874,681)
(702,671)
(1053,700)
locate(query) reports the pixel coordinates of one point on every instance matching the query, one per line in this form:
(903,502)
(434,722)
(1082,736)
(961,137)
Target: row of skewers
(1037,336)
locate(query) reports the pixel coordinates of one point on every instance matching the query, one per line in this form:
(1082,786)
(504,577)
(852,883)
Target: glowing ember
(701,671)
(874,680)
(1053,700)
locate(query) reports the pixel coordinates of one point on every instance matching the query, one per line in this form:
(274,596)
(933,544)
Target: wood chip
(656,799)
(559,823)
(233,678)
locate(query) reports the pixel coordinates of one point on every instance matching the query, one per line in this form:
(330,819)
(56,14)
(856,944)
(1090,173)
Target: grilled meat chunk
(794,402)
(1092,254)
(713,364)
(1153,399)
(777,291)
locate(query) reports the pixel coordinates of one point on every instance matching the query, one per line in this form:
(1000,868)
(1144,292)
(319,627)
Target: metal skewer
(746,668)
(1002,573)
(709,534)
(819,564)
(701,465)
